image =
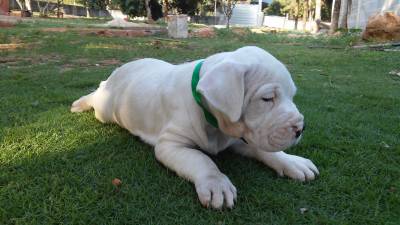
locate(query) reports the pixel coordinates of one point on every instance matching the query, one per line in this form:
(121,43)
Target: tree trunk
(148,11)
(28,5)
(227,8)
(335,16)
(21,4)
(24,4)
(317,10)
(296,16)
(165,8)
(317,18)
(43,11)
(343,14)
(305,14)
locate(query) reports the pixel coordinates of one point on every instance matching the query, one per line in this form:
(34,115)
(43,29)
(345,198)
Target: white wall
(244,14)
(284,23)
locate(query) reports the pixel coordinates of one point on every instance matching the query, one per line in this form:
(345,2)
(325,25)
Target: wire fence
(65,2)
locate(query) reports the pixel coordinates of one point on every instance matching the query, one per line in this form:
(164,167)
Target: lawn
(56,167)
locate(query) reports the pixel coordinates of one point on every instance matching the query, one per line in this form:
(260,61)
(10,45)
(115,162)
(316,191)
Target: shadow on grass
(62,166)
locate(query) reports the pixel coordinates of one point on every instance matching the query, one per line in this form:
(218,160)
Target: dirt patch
(107,62)
(15,61)
(12,46)
(240,31)
(7,60)
(55,29)
(263,30)
(66,68)
(8,21)
(81,62)
(137,32)
(159,43)
(6,24)
(122,23)
(119,33)
(205,32)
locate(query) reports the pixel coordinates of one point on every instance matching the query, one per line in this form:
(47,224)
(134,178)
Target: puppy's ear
(223,87)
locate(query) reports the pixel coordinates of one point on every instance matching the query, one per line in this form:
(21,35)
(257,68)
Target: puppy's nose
(299,131)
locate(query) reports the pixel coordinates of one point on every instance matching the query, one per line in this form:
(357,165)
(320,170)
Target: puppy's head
(251,95)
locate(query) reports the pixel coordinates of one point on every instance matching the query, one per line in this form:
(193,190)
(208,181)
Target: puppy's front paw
(297,168)
(216,190)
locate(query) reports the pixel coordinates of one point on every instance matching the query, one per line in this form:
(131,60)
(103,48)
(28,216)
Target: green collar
(196,95)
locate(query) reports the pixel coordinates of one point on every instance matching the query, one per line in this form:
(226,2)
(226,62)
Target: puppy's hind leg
(82,104)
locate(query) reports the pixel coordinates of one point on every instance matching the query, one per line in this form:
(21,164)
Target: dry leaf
(116,182)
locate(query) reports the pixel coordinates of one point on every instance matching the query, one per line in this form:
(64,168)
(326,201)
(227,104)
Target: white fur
(153,100)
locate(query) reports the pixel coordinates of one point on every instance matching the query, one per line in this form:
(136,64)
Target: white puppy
(248,92)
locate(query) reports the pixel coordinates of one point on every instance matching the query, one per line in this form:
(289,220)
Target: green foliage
(274,8)
(133,7)
(156,9)
(94,4)
(189,7)
(282,7)
(138,8)
(289,7)
(326,10)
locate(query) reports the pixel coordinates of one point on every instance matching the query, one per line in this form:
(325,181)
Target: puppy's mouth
(279,143)
(244,140)
(279,140)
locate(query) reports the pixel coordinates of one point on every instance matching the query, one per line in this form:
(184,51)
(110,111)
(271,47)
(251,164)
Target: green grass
(56,167)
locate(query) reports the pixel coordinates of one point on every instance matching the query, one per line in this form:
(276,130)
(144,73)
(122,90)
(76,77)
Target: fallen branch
(168,39)
(391,49)
(328,47)
(392,44)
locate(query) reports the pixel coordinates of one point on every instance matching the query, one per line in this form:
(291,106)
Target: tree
(133,7)
(43,10)
(296,14)
(291,7)
(335,16)
(156,9)
(274,8)
(305,13)
(345,7)
(138,8)
(165,7)
(148,11)
(59,5)
(24,4)
(227,8)
(317,9)
(92,4)
(188,7)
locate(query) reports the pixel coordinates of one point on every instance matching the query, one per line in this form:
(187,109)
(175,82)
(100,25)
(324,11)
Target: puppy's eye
(268,99)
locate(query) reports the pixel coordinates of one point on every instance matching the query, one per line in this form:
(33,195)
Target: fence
(76,10)
(284,23)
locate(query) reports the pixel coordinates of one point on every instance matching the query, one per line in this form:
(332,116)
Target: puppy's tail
(82,104)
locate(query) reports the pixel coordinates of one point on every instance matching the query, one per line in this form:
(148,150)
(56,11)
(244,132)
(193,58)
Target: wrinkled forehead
(265,68)
(261,74)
